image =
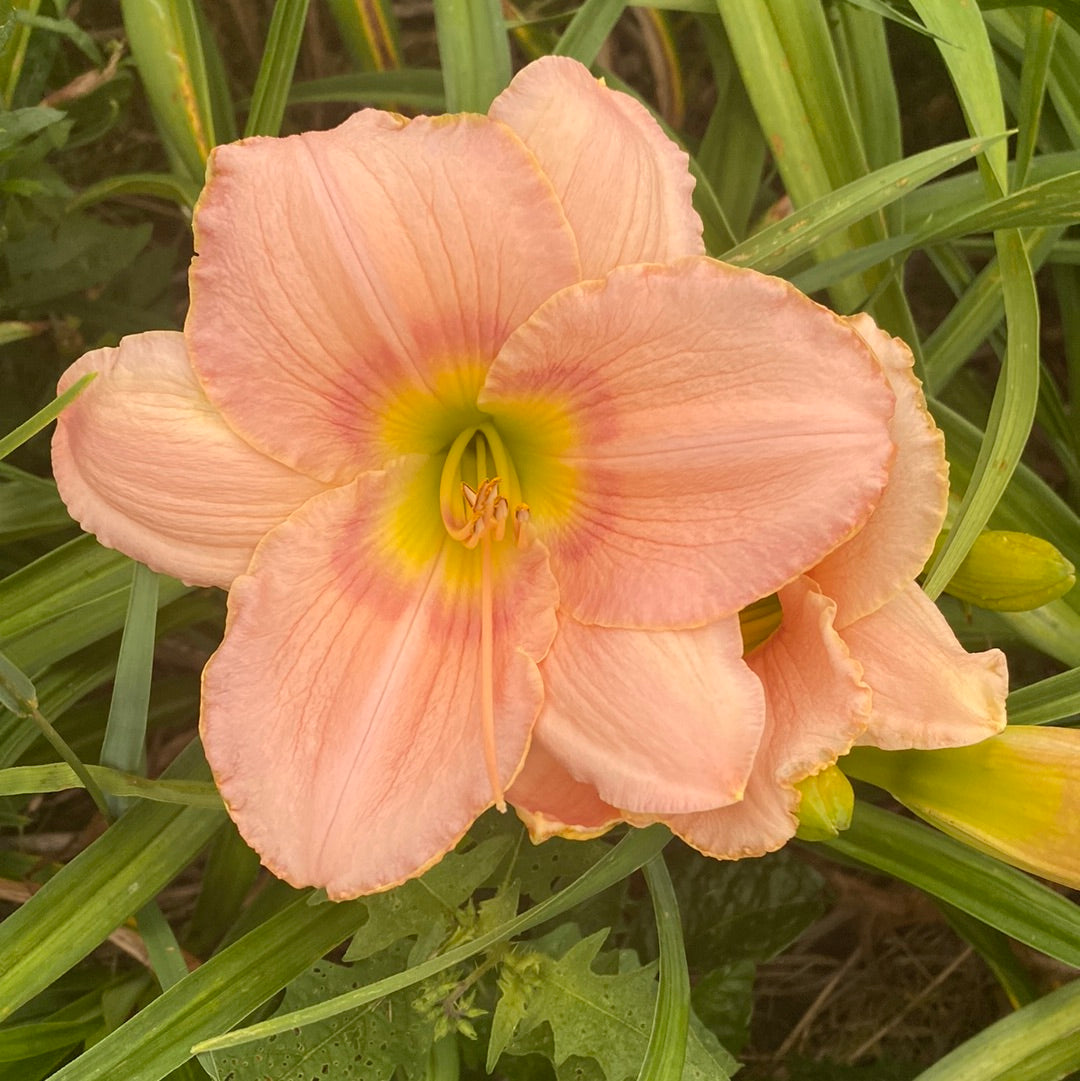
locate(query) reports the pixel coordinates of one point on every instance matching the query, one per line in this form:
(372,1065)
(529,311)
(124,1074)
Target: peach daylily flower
(860,657)
(470,428)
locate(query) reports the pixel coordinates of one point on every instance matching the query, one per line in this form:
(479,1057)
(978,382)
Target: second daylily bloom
(474,434)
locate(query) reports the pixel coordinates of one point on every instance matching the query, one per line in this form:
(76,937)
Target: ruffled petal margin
(145,463)
(892,547)
(345,278)
(689,438)
(816,707)
(552,803)
(657,721)
(929,691)
(624,184)
(341,715)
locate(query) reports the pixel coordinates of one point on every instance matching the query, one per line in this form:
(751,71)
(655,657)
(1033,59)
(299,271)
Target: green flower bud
(759,622)
(825,804)
(1010,572)
(1015,795)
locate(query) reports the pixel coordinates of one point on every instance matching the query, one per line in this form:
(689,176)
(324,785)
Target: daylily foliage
(490,457)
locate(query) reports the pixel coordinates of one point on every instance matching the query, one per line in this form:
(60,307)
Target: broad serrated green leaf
(723,1000)
(426,906)
(603,1017)
(623,859)
(744,910)
(366,1045)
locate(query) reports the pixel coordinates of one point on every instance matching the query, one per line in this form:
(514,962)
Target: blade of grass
(43,417)
(276,68)
(1012,414)
(995,949)
(166,42)
(418,88)
(58,777)
(475,52)
(1041,1042)
(1038,49)
(370,32)
(18,694)
(589,29)
(1048,700)
(998,895)
(109,880)
(666,1052)
(806,229)
(168,186)
(124,745)
(627,856)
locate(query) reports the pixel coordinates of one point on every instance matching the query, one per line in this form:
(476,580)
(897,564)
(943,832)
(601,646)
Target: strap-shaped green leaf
(976,884)
(666,1052)
(84,902)
(276,68)
(627,856)
(475,52)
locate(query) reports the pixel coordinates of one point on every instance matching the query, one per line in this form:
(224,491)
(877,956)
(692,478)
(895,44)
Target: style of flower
(474,434)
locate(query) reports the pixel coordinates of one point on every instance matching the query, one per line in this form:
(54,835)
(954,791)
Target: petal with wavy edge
(928,690)
(660,721)
(689,437)
(552,803)
(341,715)
(816,706)
(353,284)
(625,185)
(881,559)
(145,463)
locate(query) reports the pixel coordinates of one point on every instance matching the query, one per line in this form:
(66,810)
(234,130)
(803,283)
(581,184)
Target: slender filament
(487,670)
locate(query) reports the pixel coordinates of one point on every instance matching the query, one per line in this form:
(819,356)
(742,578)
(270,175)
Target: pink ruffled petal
(889,551)
(552,803)
(342,713)
(347,278)
(928,690)
(689,438)
(625,185)
(145,463)
(658,721)
(816,706)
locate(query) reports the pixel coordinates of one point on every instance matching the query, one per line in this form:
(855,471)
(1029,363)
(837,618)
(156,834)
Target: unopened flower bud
(825,805)
(1010,572)
(759,621)
(1015,795)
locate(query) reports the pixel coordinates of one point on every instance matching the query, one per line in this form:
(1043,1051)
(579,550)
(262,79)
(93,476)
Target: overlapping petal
(660,721)
(552,803)
(625,185)
(928,690)
(145,463)
(342,712)
(816,705)
(348,281)
(880,560)
(689,438)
